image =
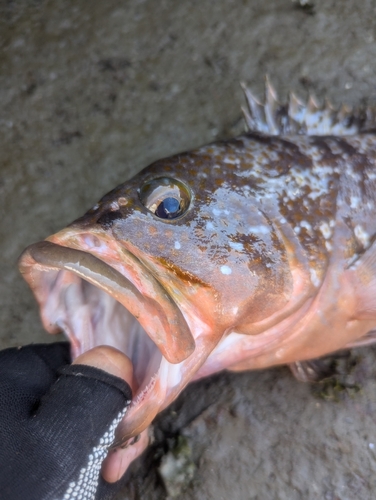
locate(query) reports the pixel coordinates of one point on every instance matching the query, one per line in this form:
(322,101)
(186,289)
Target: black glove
(56,423)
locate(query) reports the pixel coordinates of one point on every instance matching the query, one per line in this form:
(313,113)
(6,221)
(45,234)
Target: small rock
(177,468)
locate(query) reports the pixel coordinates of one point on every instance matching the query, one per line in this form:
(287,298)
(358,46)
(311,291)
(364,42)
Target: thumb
(78,417)
(110,360)
(117,364)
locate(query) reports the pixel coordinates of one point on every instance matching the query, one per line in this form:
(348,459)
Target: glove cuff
(98,374)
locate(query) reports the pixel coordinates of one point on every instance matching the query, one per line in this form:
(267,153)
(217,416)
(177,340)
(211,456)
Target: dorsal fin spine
(296,117)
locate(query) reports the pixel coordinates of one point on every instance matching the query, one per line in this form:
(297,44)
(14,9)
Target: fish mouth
(120,304)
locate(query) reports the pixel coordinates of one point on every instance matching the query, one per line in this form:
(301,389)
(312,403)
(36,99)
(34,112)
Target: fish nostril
(108,218)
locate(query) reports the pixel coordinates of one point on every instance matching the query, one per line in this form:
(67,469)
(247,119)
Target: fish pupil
(168,208)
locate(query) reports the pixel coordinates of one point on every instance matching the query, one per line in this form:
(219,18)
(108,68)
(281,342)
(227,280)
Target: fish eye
(168,208)
(166,198)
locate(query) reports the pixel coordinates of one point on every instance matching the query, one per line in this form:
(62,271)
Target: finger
(114,362)
(82,411)
(110,360)
(119,459)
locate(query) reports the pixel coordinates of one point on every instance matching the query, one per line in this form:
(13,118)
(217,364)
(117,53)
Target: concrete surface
(90,92)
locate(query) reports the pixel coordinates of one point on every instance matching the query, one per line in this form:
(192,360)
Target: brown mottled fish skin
(271,260)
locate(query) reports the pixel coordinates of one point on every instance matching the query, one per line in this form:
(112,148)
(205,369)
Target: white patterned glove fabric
(56,423)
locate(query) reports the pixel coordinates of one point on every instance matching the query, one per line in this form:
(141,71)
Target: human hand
(58,419)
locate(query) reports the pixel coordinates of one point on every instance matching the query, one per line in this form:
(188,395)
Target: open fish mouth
(120,304)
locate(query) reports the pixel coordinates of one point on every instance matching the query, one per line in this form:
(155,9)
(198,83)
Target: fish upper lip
(171,335)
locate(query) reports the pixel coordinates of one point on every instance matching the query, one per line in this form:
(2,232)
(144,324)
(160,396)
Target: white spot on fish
(325,230)
(226,270)
(216,211)
(306,225)
(177,245)
(314,278)
(226,159)
(328,246)
(261,229)
(354,201)
(209,226)
(236,246)
(361,235)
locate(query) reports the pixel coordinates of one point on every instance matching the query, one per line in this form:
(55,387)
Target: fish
(242,254)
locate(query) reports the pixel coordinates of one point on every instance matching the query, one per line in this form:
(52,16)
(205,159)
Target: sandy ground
(90,92)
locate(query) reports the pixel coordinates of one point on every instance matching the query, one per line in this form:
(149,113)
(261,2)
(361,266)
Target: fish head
(161,268)
(191,222)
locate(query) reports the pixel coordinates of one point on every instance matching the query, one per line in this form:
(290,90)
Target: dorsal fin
(297,117)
